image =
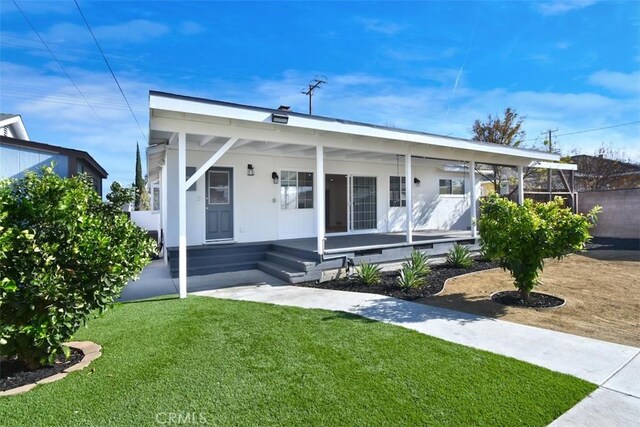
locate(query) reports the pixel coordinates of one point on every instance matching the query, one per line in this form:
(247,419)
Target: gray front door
(219,204)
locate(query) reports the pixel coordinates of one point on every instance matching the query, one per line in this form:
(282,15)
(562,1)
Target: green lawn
(242,363)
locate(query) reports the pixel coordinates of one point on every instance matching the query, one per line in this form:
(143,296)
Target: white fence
(149,220)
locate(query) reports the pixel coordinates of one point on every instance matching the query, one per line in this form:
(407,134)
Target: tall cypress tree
(139,183)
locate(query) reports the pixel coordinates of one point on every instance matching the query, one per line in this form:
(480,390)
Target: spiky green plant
(369,274)
(459,257)
(419,262)
(410,278)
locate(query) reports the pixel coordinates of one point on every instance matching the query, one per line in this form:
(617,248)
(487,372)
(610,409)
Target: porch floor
(371,240)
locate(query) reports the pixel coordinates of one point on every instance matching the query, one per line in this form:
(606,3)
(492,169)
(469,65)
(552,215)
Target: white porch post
(409,196)
(182,212)
(472,181)
(320,220)
(520,185)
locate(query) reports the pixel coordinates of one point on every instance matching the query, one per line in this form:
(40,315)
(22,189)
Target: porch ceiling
(207,143)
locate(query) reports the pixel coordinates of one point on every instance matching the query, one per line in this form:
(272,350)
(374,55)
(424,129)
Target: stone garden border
(91,352)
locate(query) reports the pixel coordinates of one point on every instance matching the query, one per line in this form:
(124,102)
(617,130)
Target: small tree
(506,130)
(521,237)
(64,253)
(142,202)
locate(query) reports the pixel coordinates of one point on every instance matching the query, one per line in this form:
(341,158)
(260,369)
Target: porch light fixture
(417,182)
(250,171)
(275,178)
(280,118)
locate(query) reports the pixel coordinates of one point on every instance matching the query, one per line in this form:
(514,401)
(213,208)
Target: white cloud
(383,27)
(563,45)
(561,7)
(55,113)
(190,28)
(616,81)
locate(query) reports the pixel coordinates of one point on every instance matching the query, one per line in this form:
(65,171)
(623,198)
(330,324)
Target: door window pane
(218,187)
(365,212)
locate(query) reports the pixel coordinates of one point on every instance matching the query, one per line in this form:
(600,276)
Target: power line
(110,70)
(54,57)
(602,128)
(590,130)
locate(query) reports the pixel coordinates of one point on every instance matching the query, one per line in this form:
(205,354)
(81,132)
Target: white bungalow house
(242,187)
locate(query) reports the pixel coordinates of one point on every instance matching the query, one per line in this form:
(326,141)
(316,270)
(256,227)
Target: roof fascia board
(258,116)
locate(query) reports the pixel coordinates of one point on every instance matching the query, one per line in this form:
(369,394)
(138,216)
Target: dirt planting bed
(601,289)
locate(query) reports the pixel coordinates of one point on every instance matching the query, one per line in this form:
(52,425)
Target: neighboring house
(296,195)
(18,156)
(13,127)
(597,173)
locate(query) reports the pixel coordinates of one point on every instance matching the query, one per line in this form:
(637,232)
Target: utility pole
(549,172)
(311,87)
(549,138)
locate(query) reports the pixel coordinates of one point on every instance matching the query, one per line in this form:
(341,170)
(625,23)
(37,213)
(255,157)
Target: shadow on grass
(151,299)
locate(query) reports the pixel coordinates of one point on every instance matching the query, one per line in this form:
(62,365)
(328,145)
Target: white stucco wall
(257,213)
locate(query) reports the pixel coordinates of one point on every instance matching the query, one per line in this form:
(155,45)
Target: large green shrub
(520,237)
(64,253)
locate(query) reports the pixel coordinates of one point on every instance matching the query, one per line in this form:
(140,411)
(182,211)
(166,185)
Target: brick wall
(620,217)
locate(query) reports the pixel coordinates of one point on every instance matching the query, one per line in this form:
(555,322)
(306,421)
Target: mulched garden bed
(434,282)
(536,300)
(14,373)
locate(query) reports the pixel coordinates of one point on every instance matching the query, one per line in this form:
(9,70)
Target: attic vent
(284,108)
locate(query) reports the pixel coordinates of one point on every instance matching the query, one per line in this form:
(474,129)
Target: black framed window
(296,190)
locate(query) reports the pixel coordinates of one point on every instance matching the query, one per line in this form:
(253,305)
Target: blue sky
(431,66)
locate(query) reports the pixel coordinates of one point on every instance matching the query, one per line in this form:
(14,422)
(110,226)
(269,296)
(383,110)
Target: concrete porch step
(288,274)
(292,261)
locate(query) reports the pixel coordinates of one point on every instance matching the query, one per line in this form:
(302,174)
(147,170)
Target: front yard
(601,287)
(240,363)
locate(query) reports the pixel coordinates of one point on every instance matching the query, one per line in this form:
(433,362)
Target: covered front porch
(298,260)
(239,181)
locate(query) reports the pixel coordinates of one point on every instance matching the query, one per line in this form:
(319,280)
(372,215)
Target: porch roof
(168,111)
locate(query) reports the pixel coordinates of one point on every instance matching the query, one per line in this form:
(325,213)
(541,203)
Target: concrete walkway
(613,367)
(155,281)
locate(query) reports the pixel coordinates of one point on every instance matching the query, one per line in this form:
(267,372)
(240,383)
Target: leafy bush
(419,262)
(459,257)
(520,237)
(409,277)
(64,253)
(369,274)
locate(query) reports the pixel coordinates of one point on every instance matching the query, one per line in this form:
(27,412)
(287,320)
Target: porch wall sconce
(280,118)
(250,170)
(417,182)
(275,178)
